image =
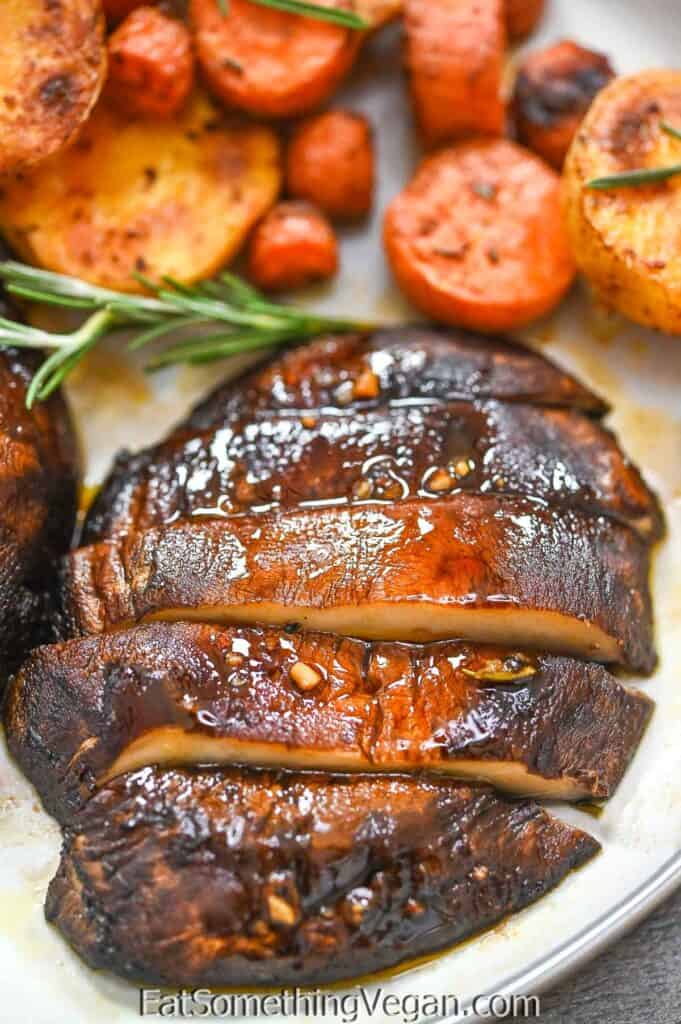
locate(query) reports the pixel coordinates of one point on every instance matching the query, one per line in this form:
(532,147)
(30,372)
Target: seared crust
(482,567)
(80,711)
(386,454)
(234,876)
(553,91)
(38,493)
(414,363)
(230,878)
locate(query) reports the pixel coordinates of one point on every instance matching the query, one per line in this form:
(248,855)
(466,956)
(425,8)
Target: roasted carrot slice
(293,245)
(553,91)
(116,10)
(454,57)
(477,238)
(330,162)
(267,62)
(522,16)
(151,64)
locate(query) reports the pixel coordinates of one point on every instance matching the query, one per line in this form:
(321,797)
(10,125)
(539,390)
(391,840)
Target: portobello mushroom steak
(230,877)
(38,498)
(305,635)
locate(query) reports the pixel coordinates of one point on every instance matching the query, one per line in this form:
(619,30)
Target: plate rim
(566,958)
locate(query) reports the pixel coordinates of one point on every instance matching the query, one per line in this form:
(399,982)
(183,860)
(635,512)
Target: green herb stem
(670,130)
(642,175)
(242,318)
(65,358)
(632,179)
(335,15)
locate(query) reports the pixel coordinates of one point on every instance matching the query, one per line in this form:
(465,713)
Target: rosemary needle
(336,15)
(670,130)
(242,319)
(642,175)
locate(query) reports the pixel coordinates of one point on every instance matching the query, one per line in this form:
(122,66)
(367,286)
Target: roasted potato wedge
(157,196)
(626,240)
(52,69)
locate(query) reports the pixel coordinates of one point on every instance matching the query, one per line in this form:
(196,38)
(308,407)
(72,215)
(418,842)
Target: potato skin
(454,55)
(171,197)
(522,17)
(626,240)
(293,245)
(52,70)
(268,62)
(330,162)
(553,91)
(476,239)
(151,64)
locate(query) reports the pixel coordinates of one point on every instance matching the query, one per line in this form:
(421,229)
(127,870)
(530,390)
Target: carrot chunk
(330,162)
(116,10)
(477,237)
(292,246)
(454,57)
(151,66)
(268,62)
(522,17)
(553,91)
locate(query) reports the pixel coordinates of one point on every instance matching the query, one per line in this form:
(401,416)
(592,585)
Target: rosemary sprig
(242,318)
(336,15)
(670,130)
(642,175)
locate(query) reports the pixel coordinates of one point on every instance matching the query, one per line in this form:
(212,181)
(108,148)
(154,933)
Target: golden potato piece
(626,240)
(52,69)
(157,196)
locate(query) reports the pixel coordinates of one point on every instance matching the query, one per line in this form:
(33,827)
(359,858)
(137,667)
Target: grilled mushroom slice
(481,567)
(412,364)
(176,693)
(384,454)
(38,493)
(240,878)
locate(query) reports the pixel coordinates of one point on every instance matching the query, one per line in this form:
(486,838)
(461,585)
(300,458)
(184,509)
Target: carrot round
(454,57)
(330,162)
(292,246)
(477,237)
(553,91)
(522,16)
(268,62)
(151,64)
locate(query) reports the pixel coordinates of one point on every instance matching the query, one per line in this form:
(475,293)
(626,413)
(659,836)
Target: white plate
(41,980)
